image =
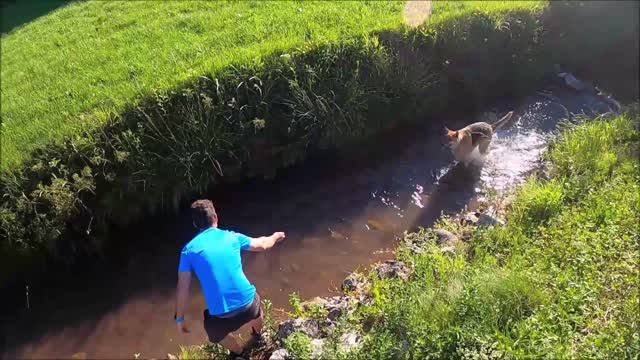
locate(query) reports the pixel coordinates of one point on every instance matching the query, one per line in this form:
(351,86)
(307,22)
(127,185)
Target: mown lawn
(83,63)
(103,55)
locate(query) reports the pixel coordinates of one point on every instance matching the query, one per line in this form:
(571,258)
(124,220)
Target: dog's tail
(504,121)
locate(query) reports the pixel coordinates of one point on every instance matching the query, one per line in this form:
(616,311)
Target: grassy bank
(559,280)
(62,70)
(91,138)
(101,57)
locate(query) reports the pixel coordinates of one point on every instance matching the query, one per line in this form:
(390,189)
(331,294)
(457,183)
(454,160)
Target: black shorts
(217,328)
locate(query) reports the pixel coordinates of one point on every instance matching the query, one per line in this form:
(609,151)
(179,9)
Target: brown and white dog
(462,142)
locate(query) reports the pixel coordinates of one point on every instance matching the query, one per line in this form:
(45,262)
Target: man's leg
(256,324)
(219,331)
(229,342)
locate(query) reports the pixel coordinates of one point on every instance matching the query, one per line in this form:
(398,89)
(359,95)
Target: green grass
(108,117)
(104,56)
(261,107)
(80,64)
(206,351)
(559,281)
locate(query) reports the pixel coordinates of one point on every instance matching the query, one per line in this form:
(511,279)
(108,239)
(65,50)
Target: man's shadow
(451,194)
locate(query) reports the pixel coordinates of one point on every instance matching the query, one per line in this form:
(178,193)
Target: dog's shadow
(451,194)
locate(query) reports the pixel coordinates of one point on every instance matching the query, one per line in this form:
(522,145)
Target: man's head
(204,214)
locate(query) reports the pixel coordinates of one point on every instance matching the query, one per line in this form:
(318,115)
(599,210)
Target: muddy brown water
(339,215)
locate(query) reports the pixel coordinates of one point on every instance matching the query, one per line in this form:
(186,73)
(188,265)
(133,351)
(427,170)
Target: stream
(339,215)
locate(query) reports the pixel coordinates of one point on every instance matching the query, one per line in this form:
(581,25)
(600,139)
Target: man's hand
(278,236)
(266,242)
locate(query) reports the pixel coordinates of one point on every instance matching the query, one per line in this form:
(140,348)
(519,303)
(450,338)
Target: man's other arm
(182,291)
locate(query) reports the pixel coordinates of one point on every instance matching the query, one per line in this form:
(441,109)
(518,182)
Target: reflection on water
(337,217)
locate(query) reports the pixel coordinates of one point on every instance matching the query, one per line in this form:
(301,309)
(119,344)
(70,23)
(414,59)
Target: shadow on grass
(15,13)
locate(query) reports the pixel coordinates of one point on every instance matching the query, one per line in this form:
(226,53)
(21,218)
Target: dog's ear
(451,133)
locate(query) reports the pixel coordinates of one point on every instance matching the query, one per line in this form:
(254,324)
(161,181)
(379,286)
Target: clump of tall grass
(588,158)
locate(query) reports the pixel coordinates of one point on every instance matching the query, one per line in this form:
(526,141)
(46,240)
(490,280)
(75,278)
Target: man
(214,255)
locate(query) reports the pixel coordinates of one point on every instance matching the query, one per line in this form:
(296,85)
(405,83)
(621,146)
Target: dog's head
(451,137)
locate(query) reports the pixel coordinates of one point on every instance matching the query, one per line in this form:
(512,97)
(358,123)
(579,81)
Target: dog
(477,135)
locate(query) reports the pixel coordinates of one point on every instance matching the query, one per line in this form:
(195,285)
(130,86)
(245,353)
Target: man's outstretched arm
(265,242)
(182,296)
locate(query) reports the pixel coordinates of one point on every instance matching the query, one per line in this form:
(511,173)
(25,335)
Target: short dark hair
(203,214)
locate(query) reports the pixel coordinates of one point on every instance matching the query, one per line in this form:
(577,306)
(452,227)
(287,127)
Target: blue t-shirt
(214,255)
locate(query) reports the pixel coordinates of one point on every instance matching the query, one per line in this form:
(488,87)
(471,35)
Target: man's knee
(256,325)
(230,343)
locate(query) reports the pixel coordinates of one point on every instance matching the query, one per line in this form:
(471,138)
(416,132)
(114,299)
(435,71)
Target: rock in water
(353,282)
(450,250)
(445,237)
(315,301)
(487,220)
(401,351)
(309,327)
(391,269)
(316,348)
(470,218)
(614,105)
(280,354)
(336,235)
(578,85)
(365,299)
(415,243)
(350,341)
(376,225)
(337,306)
